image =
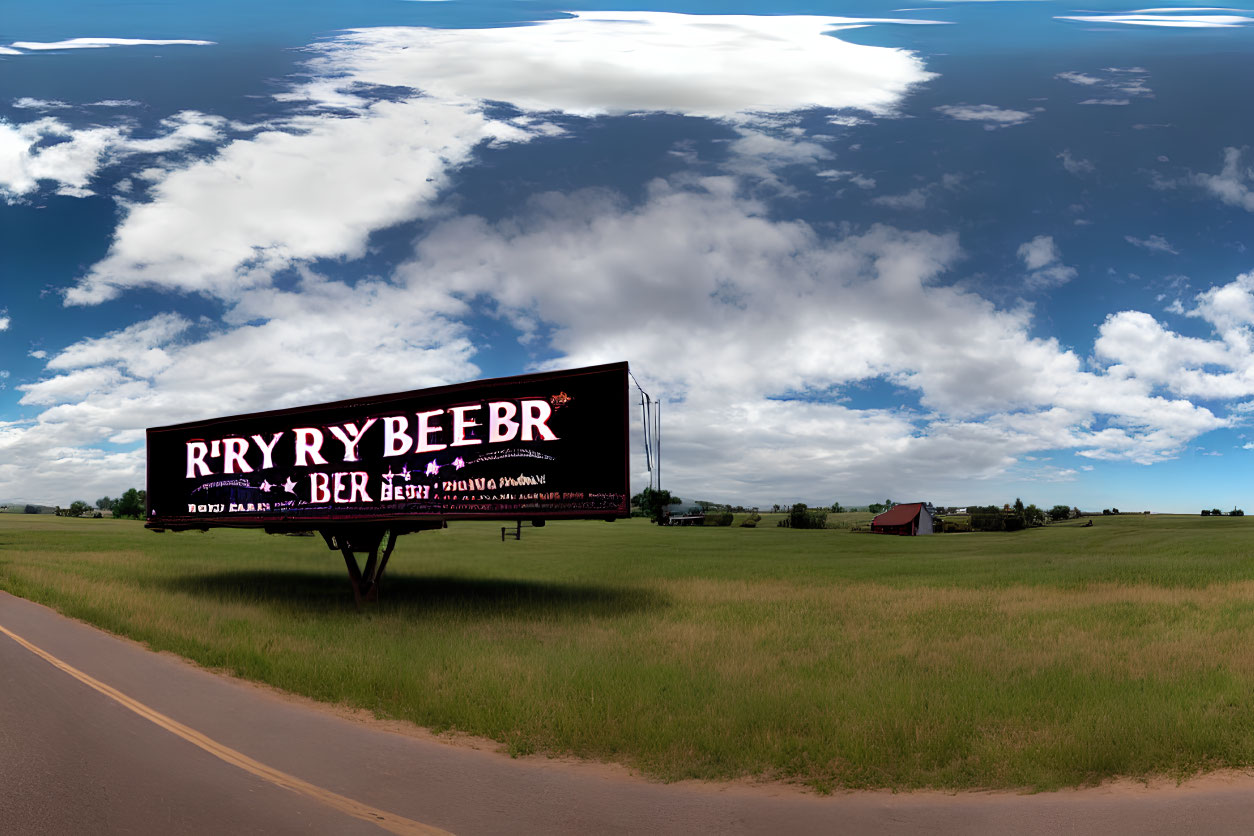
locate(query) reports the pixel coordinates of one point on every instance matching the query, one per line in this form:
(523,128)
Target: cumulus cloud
(49,150)
(721,66)
(1044,262)
(356,165)
(831,313)
(318,341)
(992,116)
(1221,367)
(694,269)
(262,204)
(1232,183)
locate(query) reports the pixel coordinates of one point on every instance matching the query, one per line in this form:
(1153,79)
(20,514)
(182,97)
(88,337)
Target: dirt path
(75,757)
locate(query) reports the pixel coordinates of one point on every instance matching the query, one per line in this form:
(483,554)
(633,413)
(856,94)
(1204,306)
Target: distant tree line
(130,505)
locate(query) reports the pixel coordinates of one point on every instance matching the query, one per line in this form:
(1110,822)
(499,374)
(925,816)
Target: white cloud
(1079,78)
(1038,252)
(99,43)
(827,314)
(915,200)
(1076,165)
(1232,183)
(722,66)
(588,278)
(1169,20)
(4,321)
(28,103)
(860,180)
(1220,368)
(228,223)
(772,307)
(317,185)
(74,156)
(319,341)
(1120,85)
(1154,243)
(991,115)
(1044,262)
(26,158)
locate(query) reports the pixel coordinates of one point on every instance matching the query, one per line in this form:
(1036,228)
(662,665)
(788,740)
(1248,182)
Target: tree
(1059,512)
(652,502)
(1205,512)
(1236,512)
(104,503)
(802,517)
(987,518)
(130,504)
(1215,512)
(1033,515)
(837,508)
(876,508)
(78,507)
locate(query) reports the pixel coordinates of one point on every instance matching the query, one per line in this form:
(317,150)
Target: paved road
(75,760)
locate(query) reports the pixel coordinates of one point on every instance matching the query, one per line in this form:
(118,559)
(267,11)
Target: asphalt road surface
(98,735)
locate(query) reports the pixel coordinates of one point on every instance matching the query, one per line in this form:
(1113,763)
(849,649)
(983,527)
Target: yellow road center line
(388,821)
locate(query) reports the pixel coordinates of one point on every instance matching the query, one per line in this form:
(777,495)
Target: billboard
(543,446)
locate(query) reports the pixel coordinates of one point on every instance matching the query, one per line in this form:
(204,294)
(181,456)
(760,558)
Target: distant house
(909,518)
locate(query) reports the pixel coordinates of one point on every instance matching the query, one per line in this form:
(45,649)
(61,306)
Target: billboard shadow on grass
(422,596)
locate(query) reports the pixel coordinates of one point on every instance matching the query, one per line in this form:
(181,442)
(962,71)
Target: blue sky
(964,251)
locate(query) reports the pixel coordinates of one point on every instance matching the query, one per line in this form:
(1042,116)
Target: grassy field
(1046,658)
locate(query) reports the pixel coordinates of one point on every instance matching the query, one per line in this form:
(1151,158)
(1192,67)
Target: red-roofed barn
(908,518)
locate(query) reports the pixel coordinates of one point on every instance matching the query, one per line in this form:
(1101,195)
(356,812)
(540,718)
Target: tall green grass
(1045,658)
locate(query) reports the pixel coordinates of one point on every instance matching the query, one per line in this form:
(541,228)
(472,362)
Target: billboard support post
(365,540)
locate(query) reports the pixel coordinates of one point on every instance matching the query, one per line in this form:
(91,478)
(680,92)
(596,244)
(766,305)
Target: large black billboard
(542,446)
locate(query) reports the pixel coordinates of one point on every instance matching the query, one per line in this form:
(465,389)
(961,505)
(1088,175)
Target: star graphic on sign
(289,485)
(265,485)
(459,462)
(433,468)
(389,476)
